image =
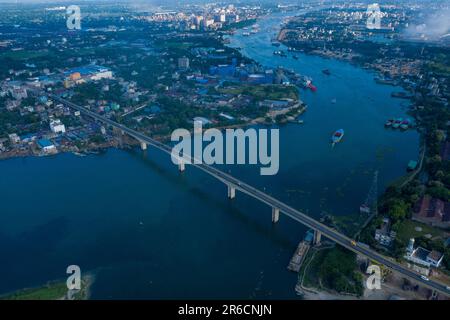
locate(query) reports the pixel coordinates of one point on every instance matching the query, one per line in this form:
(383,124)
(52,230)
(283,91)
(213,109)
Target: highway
(259,195)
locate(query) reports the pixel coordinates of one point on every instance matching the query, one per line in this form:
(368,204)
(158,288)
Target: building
(432,211)
(384,235)
(57,126)
(46,145)
(183,63)
(423,256)
(14,138)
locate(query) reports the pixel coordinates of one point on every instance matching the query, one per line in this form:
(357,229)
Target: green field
(51,291)
(23,55)
(407,231)
(263,92)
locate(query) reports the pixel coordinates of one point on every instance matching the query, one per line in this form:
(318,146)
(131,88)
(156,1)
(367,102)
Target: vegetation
(334,269)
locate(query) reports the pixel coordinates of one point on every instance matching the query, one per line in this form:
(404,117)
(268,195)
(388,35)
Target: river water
(150,232)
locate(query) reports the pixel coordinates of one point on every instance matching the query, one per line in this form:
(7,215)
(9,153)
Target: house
(46,145)
(432,211)
(14,138)
(384,235)
(423,256)
(57,126)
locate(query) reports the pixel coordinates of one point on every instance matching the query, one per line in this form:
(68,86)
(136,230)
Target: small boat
(397,122)
(333,101)
(364,208)
(326,71)
(337,136)
(276,44)
(389,122)
(300,121)
(295,57)
(404,125)
(245,34)
(312,87)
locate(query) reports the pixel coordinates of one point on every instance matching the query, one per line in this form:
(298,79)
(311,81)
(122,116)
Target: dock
(299,256)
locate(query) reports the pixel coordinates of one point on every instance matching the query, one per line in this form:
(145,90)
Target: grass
(407,231)
(51,291)
(262,92)
(23,54)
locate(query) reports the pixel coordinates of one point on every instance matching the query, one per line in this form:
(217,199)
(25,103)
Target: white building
(14,138)
(423,256)
(57,126)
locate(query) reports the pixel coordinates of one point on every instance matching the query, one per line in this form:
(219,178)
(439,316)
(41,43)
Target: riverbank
(54,290)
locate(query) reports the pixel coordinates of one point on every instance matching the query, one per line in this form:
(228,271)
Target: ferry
(337,136)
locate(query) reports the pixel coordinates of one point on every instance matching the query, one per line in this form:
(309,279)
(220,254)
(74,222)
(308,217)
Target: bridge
(277,206)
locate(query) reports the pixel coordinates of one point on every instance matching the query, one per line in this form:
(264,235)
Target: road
(229,180)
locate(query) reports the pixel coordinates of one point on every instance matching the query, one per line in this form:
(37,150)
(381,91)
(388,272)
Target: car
(353,243)
(425,278)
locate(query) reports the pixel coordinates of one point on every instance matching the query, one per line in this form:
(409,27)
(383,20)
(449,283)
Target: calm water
(151,232)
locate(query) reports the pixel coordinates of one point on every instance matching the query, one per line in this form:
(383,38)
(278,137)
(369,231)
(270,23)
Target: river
(151,232)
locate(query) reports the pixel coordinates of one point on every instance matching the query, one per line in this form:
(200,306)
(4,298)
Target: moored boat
(397,122)
(337,136)
(389,122)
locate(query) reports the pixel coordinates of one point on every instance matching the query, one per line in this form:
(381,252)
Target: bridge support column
(143,145)
(181,166)
(231,192)
(317,237)
(275,215)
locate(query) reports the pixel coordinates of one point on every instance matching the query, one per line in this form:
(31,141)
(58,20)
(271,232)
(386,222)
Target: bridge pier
(317,237)
(231,192)
(143,146)
(275,215)
(181,166)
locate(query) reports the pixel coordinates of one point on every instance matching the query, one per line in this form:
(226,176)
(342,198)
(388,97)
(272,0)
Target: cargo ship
(337,136)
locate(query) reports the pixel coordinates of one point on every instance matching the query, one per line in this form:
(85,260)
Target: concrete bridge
(277,206)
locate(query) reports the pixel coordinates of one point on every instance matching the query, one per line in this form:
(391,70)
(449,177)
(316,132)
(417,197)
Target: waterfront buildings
(432,211)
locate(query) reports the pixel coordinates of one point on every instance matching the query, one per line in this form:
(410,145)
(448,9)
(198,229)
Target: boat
(333,101)
(326,71)
(337,136)
(245,34)
(276,44)
(312,87)
(389,122)
(295,57)
(364,208)
(404,125)
(397,122)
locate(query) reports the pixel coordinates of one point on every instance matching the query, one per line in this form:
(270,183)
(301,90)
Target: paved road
(261,196)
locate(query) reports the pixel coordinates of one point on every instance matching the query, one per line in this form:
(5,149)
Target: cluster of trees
(338,271)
